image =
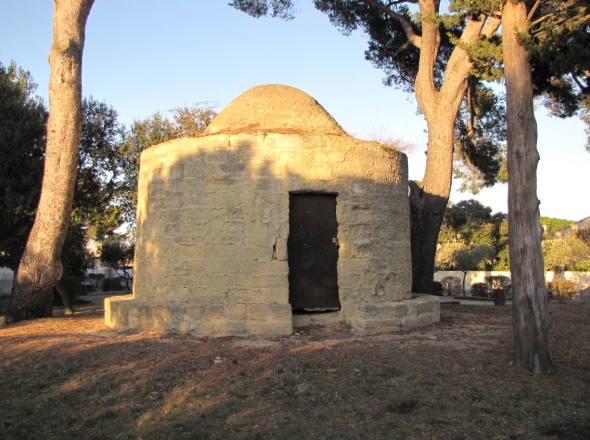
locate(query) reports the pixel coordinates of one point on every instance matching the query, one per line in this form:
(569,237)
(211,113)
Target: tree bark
(529,304)
(429,197)
(428,200)
(40,267)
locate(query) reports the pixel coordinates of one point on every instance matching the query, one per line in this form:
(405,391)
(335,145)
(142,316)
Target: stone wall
(213,221)
(216,225)
(582,279)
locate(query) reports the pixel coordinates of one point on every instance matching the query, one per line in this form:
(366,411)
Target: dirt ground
(70,377)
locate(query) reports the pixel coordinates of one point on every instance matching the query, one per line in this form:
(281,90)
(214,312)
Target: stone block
(244,296)
(229,328)
(275,295)
(260,281)
(279,267)
(213,312)
(219,250)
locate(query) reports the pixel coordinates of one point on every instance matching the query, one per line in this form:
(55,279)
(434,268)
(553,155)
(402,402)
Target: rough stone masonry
(213,224)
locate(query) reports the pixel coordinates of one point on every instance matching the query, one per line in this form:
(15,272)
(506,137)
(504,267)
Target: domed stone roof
(275,109)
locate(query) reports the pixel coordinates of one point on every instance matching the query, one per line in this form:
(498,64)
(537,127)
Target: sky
(143,56)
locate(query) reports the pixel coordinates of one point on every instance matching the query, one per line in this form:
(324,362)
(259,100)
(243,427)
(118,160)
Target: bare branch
(405,46)
(540,20)
(533,10)
(413,38)
(470,92)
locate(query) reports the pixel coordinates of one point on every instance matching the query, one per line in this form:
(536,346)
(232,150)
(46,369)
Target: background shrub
(94,280)
(451,285)
(563,289)
(113,284)
(497,282)
(480,290)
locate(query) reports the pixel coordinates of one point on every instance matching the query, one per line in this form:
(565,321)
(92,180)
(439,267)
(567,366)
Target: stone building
(273,216)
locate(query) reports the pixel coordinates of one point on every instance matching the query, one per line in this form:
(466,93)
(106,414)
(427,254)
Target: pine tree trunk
(40,266)
(428,200)
(529,304)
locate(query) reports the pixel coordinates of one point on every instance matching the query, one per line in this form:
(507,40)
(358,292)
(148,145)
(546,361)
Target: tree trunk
(529,304)
(428,200)
(40,266)
(464,278)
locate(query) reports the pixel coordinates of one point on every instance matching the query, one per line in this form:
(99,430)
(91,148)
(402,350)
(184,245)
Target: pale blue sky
(142,56)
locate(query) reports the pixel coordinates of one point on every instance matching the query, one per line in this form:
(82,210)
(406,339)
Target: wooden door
(313,252)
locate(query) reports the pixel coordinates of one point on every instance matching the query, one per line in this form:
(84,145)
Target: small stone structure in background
(214,254)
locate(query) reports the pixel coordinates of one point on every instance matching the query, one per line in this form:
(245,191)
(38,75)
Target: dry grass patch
(70,377)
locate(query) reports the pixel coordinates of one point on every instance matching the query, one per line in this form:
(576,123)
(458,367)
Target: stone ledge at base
(370,318)
(126,313)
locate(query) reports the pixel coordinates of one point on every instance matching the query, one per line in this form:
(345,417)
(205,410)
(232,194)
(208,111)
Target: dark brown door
(313,252)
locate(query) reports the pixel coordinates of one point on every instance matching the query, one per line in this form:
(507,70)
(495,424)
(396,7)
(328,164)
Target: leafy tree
(96,210)
(584,264)
(480,134)
(561,253)
(40,267)
(466,211)
(503,248)
(95,213)
(469,223)
(465,258)
(117,254)
(22,143)
(534,34)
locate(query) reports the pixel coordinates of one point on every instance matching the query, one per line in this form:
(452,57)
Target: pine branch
(413,38)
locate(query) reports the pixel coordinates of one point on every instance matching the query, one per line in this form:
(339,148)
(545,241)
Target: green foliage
(117,254)
(497,282)
(257,8)
(22,146)
(466,211)
(502,261)
(560,253)
(22,149)
(100,185)
(583,265)
(473,258)
(459,256)
(75,256)
(94,280)
(468,224)
(563,289)
(559,45)
(480,133)
(451,285)
(554,224)
(480,290)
